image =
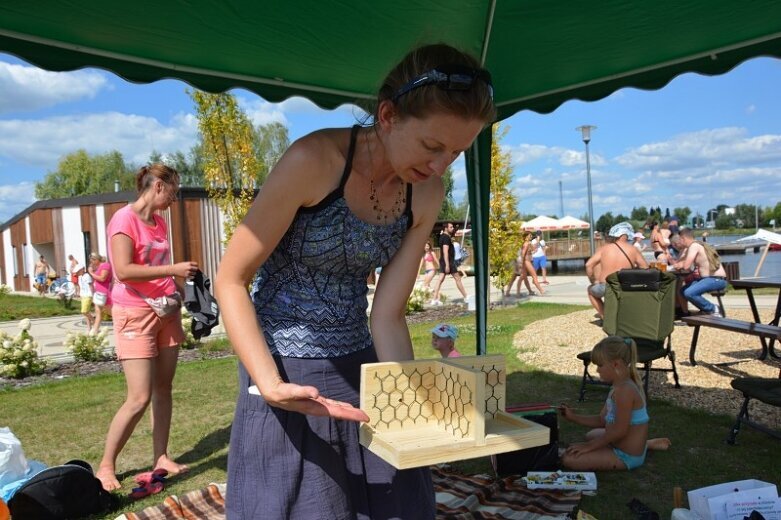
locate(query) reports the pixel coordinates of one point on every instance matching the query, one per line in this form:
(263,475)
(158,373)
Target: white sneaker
(716,313)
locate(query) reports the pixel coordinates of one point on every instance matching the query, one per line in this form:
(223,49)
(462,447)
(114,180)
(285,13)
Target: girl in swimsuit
(658,241)
(619,438)
(430,263)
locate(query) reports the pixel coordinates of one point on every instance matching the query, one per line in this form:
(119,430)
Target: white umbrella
(542,223)
(569,222)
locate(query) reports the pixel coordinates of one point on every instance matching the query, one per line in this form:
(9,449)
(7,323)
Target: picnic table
(749,284)
(767,333)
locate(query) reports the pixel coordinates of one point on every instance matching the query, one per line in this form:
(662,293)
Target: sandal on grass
(149,477)
(143,491)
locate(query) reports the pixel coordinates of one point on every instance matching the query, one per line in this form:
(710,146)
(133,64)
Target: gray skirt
(288,465)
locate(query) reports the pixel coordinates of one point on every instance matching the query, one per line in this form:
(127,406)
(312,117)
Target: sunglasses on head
(448,77)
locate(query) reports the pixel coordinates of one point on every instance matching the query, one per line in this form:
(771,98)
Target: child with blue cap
(443,339)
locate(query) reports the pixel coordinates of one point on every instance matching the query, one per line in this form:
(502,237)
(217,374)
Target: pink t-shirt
(150,247)
(104,286)
(454,353)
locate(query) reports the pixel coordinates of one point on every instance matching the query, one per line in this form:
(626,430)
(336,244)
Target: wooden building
(76,226)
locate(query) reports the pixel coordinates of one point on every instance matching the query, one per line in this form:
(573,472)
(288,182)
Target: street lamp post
(585,131)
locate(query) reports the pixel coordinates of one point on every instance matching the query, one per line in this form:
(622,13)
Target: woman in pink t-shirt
(100,270)
(147,344)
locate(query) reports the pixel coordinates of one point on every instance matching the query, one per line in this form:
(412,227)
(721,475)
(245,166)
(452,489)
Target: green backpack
(714,260)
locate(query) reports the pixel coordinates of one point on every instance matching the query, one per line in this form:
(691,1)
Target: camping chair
(641,311)
(767,390)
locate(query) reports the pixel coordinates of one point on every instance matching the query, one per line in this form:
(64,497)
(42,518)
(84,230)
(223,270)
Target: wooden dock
(740,248)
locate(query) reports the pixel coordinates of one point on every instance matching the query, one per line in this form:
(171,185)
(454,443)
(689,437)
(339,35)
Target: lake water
(748,262)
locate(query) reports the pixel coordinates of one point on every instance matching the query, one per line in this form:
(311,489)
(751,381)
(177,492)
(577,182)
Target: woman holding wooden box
(339,203)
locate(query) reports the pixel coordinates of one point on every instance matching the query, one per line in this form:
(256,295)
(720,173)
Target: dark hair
(476,102)
(146,175)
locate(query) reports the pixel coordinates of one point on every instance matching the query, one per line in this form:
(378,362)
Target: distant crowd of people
(672,246)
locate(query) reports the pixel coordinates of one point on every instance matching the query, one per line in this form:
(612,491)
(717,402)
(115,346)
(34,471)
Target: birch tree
(230,164)
(504,224)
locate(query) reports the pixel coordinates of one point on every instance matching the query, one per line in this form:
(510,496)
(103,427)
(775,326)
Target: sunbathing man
(706,280)
(616,254)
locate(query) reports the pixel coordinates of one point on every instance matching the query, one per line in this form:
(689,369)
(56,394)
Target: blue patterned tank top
(310,295)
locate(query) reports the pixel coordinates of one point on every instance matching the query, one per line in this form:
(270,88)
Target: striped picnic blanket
(202,504)
(481,497)
(459,497)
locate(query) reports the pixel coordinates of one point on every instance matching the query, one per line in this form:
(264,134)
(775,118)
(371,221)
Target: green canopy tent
(540,53)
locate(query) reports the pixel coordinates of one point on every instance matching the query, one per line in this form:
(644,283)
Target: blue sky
(698,142)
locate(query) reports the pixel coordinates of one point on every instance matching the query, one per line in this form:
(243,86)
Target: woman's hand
(578,449)
(184,269)
(307,400)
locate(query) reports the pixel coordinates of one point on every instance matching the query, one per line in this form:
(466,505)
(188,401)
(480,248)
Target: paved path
(50,332)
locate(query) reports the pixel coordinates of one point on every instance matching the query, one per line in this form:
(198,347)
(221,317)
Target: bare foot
(107,478)
(659,444)
(173,468)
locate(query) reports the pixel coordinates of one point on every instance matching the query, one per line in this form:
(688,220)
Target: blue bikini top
(639,415)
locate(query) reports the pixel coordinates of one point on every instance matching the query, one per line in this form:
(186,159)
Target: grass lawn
(17,307)
(68,419)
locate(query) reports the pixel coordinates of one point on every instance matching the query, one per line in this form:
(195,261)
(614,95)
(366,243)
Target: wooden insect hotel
(432,411)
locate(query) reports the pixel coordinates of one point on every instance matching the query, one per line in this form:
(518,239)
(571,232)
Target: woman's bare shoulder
(312,164)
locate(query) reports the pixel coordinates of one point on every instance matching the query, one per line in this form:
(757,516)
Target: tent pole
(762,260)
(478,174)
(466,221)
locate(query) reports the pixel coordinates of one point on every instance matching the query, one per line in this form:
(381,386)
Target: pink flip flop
(143,491)
(149,477)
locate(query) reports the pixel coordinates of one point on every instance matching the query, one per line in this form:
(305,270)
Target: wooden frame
(432,411)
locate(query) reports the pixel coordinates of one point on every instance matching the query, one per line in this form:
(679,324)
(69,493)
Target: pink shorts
(139,333)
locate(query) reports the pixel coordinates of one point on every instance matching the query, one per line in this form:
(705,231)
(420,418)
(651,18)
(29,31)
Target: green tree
(747,214)
(683,214)
(270,142)
(724,221)
(504,221)
(775,214)
(230,163)
(640,213)
(605,222)
(80,173)
(189,167)
(450,210)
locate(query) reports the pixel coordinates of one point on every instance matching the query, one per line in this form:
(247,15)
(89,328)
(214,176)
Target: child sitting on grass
(619,438)
(443,339)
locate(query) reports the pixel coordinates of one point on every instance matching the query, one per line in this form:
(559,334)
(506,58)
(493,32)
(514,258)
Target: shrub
(420,295)
(189,340)
(88,348)
(4,289)
(18,354)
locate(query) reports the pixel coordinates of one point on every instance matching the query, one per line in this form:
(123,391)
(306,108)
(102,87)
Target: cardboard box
(710,503)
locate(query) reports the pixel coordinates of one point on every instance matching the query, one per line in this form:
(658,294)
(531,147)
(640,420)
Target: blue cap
(443,330)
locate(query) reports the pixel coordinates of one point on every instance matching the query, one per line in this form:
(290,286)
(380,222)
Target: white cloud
(15,198)
(27,88)
(43,142)
(715,147)
(751,109)
(524,154)
(262,112)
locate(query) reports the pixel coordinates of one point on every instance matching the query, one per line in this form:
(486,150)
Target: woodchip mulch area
(552,345)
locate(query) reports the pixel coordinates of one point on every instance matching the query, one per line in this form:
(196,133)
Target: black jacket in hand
(199,301)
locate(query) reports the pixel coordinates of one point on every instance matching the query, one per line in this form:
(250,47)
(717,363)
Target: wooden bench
(764,332)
